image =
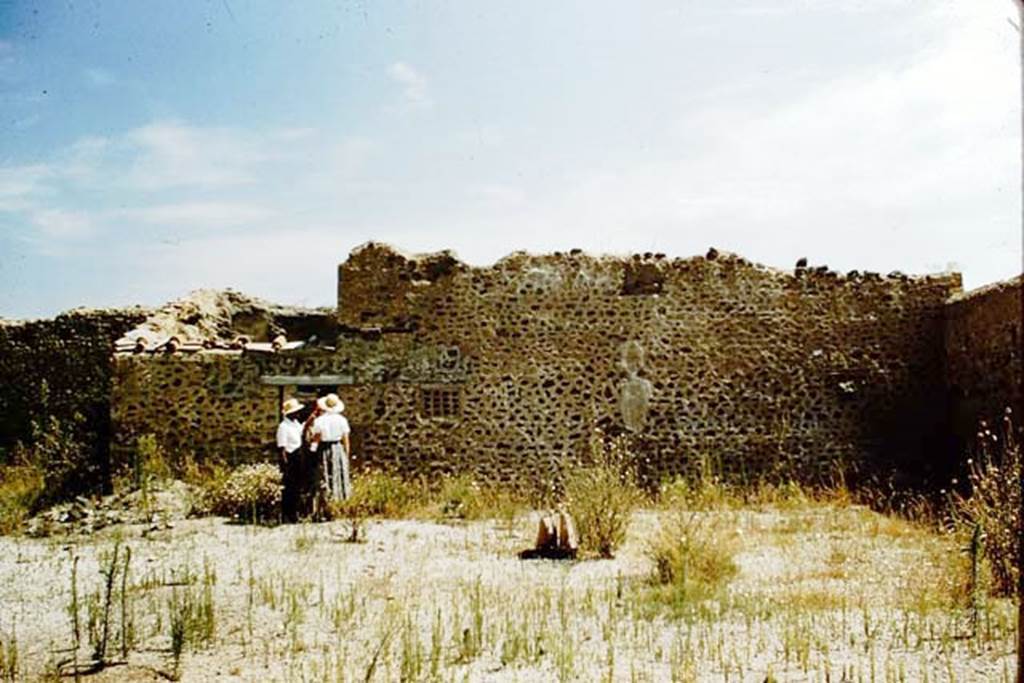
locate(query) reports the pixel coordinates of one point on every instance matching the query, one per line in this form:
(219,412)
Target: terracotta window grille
(440,402)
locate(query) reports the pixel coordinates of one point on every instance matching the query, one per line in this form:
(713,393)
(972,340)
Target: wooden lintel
(306,380)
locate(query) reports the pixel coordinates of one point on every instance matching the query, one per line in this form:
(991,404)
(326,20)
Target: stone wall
(213,404)
(504,371)
(200,405)
(983,343)
(72,353)
(202,395)
(763,370)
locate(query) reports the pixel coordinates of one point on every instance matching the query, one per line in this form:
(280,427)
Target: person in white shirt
(289,446)
(329,438)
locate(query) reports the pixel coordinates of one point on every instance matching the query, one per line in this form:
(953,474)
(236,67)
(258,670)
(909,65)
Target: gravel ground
(822,594)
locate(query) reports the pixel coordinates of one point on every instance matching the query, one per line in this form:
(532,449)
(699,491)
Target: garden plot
(818,593)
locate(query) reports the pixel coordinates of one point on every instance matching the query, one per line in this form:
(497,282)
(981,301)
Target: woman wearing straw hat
(289,444)
(330,439)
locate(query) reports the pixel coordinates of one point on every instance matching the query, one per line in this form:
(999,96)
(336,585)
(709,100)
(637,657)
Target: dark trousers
(289,493)
(299,481)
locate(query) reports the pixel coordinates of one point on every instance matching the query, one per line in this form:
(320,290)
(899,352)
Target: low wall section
(73,355)
(983,370)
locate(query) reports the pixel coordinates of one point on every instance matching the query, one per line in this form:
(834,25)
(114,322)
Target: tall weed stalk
(993,501)
(601,494)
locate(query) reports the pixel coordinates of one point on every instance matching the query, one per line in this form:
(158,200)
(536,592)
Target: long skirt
(334,470)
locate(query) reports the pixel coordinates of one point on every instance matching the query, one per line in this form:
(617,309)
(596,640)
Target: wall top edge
(988,290)
(380,250)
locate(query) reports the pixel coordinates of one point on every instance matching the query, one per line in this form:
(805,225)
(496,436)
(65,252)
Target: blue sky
(147,149)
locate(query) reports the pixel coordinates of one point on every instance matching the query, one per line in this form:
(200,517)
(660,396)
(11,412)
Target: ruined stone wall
(190,375)
(504,371)
(72,353)
(713,356)
(983,343)
(212,404)
(201,405)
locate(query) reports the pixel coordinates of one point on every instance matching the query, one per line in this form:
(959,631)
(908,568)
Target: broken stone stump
(556,538)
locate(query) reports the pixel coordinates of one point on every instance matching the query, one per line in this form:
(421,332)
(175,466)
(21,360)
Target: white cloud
(84,162)
(63,225)
(166,171)
(414,85)
(339,169)
(909,165)
(497,196)
(31,186)
(171,154)
(21,185)
(880,170)
(194,214)
(758,8)
(294,134)
(293,266)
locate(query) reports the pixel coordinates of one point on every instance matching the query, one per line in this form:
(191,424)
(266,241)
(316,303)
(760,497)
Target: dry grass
(788,593)
(992,504)
(383,495)
(694,558)
(21,488)
(602,494)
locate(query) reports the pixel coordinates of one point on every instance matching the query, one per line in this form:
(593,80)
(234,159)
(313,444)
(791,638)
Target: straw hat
(331,404)
(290,406)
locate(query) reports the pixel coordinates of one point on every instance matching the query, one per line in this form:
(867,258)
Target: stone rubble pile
(157,510)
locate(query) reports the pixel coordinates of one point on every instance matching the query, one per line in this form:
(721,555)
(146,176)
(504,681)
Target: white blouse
(289,435)
(331,427)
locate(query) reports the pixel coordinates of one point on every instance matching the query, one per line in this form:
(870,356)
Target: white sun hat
(292,405)
(330,404)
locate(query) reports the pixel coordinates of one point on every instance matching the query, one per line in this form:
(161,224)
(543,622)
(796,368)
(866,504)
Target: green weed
(602,494)
(9,658)
(693,560)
